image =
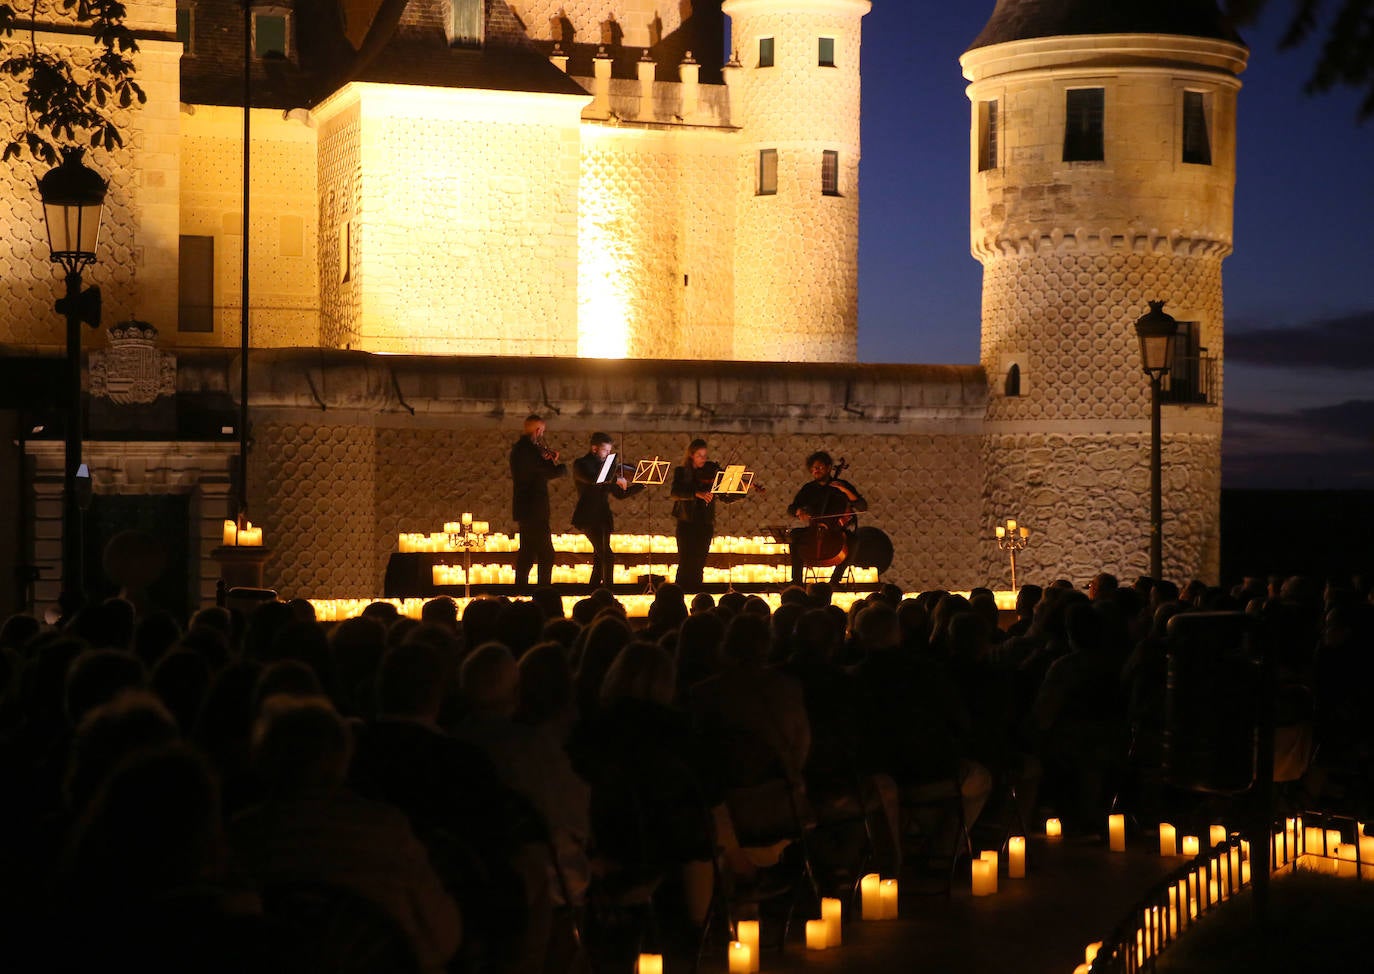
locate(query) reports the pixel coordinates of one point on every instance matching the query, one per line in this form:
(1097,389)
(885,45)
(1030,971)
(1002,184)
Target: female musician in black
(825,504)
(694,506)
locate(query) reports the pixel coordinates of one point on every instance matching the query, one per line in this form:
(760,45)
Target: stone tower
(795,90)
(1102,171)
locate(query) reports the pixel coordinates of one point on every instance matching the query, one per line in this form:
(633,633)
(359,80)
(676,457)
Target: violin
(544,450)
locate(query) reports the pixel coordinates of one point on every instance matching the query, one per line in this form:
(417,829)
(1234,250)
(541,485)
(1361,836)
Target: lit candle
(1345,860)
(250,537)
(816,932)
(1333,840)
(1216,834)
(989,856)
(1190,845)
(832,912)
(481,527)
(888,892)
(1168,839)
(1116,832)
(467,518)
(871,897)
(748,932)
(1090,952)
(740,958)
(1016,857)
(983,882)
(1025,532)
(1053,829)
(231,533)
(1011,525)
(649,964)
(1001,531)
(1312,841)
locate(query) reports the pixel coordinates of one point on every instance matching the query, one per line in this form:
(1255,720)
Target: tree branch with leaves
(71,101)
(1347,49)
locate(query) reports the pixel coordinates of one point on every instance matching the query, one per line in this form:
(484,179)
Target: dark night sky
(1299,288)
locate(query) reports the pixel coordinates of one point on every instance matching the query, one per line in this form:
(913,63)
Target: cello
(824,541)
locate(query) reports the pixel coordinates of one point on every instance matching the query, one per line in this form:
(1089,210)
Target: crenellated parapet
(1102,240)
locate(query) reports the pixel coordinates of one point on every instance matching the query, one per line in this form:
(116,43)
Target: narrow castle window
(827,52)
(768,172)
(830,173)
(765,52)
(186,29)
(1197,143)
(466,25)
(1083,125)
(987,135)
(271,33)
(1012,385)
(196,285)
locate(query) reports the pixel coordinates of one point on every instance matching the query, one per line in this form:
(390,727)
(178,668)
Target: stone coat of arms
(131,370)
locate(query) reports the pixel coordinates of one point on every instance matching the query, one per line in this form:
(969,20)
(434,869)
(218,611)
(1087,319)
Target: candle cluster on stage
(241,537)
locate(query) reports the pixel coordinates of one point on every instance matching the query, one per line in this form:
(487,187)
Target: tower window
(466,23)
(271,33)
(196,285)
(827,52)
(185,29)
(768,172)
(1197,143)
(1011,385)
(987,135)
(1083,125)
(765,52)
(830,173)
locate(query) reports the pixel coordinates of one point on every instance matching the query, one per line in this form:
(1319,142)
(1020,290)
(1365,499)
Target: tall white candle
(870,895)
(816,934)
(1016,857)
(888,893)
(1216,834)
(831,913)
(1116,832)
(1168,839)
(983,883)
(748,933)
(989,856)
(649,964)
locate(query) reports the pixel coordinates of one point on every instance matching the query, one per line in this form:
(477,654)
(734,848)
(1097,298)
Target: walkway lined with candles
(1074,893)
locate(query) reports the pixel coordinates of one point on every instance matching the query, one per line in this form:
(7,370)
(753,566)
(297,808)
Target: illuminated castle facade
(465,210)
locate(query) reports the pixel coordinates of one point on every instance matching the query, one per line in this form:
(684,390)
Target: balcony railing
(1191,382)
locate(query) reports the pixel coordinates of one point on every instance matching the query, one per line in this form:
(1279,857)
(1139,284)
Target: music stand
(734,479)
(651,473)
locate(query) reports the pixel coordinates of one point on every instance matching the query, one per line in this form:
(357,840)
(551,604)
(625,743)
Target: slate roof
(1019,20)
(416,53)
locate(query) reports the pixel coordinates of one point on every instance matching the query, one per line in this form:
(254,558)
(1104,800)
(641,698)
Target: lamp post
(1156,331)
(73,198)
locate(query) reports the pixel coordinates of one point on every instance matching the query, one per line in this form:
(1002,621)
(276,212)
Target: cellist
(826,507)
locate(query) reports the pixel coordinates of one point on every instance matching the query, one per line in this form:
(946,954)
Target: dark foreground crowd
(270,793)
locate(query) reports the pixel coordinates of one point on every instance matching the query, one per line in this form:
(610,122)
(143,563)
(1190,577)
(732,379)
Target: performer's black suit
(823,497)
(592,515)
(696,519)
(530,473)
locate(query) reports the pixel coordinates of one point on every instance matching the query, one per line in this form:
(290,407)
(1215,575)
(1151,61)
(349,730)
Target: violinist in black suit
(592,515)
(532,466)
(826,507)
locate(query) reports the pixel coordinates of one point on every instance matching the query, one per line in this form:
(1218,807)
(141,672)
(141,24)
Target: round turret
(1102,172)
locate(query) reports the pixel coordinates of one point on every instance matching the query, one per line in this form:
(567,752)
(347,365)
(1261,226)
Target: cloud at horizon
(1328,446)
(1344,343)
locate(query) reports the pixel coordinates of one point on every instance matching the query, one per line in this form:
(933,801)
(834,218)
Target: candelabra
(1012,538)
(467,536)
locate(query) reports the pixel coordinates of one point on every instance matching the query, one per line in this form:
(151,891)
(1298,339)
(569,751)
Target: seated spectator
(310,828)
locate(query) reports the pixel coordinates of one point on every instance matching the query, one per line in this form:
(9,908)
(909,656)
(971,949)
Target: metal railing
(1191,382)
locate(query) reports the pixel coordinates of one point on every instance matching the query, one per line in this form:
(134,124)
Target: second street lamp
(1156,331)
(73,199)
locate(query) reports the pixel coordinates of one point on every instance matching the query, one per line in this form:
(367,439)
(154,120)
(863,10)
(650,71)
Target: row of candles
(492,574)
(1227,870)
(241,537)
(629,544)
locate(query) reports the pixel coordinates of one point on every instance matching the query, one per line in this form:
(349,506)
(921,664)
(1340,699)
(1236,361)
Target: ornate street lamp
(1156,331)
(73,199)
